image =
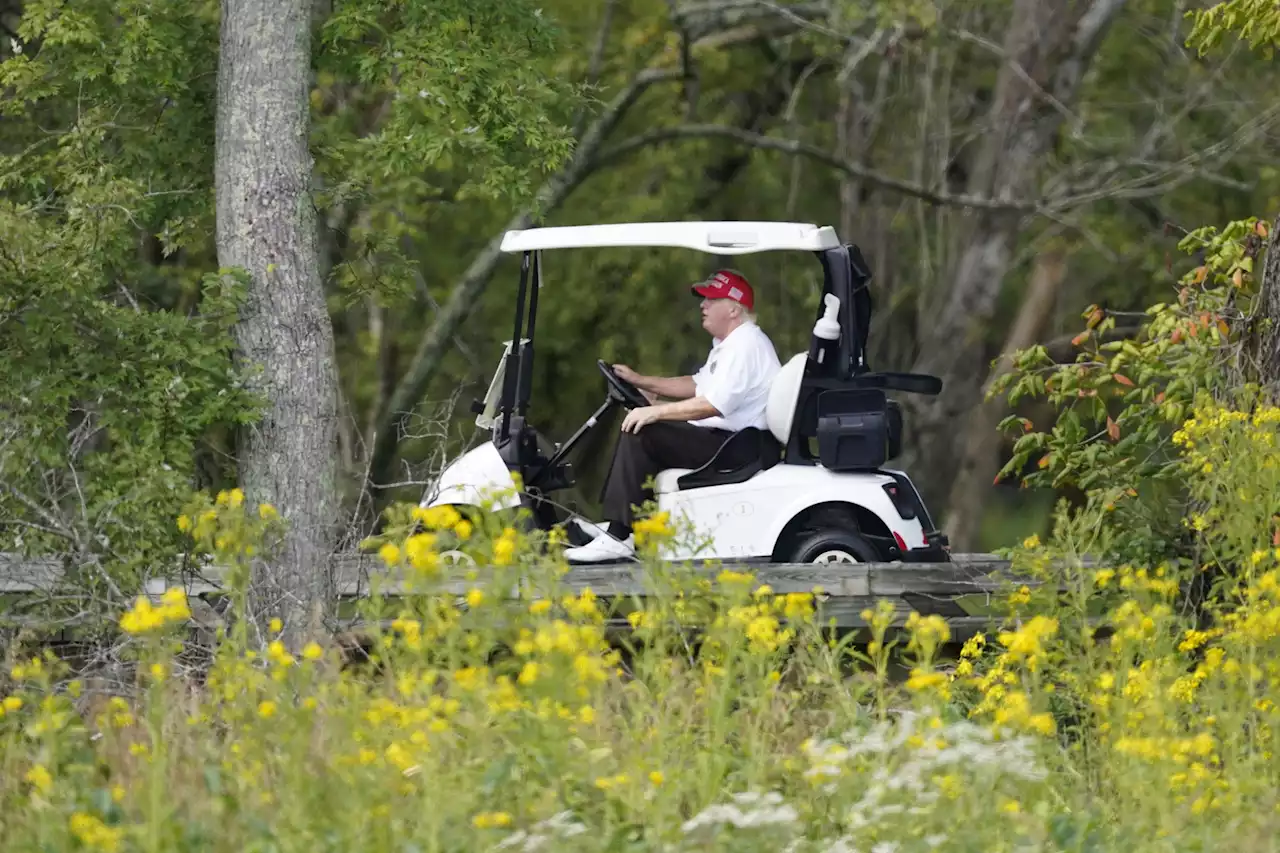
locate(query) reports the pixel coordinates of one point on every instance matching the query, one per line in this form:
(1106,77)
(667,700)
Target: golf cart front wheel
(833,546)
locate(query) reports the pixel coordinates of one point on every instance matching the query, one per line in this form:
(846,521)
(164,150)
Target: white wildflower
(17,47)
(560,825)
(935,840)
(841,845)
(769,811)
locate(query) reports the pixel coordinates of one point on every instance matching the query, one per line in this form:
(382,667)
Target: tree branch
(813,152)
(596,63)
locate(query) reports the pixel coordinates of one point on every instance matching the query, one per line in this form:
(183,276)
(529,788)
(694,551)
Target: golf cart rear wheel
(833,546)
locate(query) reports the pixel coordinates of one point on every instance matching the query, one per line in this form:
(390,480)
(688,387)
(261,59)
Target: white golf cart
(816,491)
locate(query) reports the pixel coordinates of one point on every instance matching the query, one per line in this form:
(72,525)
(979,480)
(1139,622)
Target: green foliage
(1255,21)
(1119,402)
(116,347)
(120,390)
(465,112)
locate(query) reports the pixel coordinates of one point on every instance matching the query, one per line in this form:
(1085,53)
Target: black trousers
(660,445)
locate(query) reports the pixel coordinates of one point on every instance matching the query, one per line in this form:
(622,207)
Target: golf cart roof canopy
(717,238)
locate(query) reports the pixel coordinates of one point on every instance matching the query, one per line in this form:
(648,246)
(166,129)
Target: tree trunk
(266,224)
(980,444)
(1047,48)
(1268,311)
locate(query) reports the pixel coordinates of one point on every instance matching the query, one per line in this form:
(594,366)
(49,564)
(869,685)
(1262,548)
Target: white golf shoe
(603,549)
(589,528)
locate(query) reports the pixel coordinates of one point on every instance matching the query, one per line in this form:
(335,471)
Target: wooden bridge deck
(963,591)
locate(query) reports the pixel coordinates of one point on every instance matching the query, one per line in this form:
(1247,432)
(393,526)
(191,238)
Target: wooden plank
(961,591)
(22,574)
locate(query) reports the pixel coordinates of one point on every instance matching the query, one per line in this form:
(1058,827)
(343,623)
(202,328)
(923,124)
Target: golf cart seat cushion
(668,481)
(742,455)
(783,393)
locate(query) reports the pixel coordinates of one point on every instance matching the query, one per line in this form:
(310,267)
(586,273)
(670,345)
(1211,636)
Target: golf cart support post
(828,412)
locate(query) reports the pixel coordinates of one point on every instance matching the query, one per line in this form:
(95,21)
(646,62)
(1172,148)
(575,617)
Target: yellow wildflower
(266,709)
(921,681)
(312,651)
(490,820)
(143,617)
(267,512)
(39,778)
(1025,643)
(93,833)
(437,517)
(11,704)
(728,577)
(184,523)
(528,673)
(278,654)
(797,606)
(420,549)
(390,554)
(973,646)
(656,777)
(655,527)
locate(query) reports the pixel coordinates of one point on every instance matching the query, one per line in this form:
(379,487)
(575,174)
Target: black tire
(825,546)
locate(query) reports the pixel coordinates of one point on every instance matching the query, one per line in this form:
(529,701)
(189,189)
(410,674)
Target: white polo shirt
(736,379)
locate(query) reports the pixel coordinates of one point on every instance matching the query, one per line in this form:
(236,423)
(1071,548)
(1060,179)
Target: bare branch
(813,152)
(1048,97)
(596,63)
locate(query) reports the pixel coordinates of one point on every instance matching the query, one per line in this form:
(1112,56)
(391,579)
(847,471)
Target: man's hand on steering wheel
(620,389)
(637,379)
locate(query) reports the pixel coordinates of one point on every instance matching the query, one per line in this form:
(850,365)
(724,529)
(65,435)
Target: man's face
(718,315)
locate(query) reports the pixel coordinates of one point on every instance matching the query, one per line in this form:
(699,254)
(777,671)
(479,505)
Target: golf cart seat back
(831,408)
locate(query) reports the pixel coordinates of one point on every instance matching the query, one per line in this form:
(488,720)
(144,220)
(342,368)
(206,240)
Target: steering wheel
(620,389)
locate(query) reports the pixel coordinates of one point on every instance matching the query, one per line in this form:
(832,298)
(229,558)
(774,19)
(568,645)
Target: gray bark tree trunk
(1267,342)
(266,224)
(1047,49)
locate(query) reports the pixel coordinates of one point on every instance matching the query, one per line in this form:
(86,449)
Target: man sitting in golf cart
(728,393)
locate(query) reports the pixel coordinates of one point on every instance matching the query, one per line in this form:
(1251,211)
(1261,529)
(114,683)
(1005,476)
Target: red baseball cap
(727,284)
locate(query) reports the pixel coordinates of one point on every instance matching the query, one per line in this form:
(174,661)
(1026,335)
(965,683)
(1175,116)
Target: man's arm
(672,387)
(692,409)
